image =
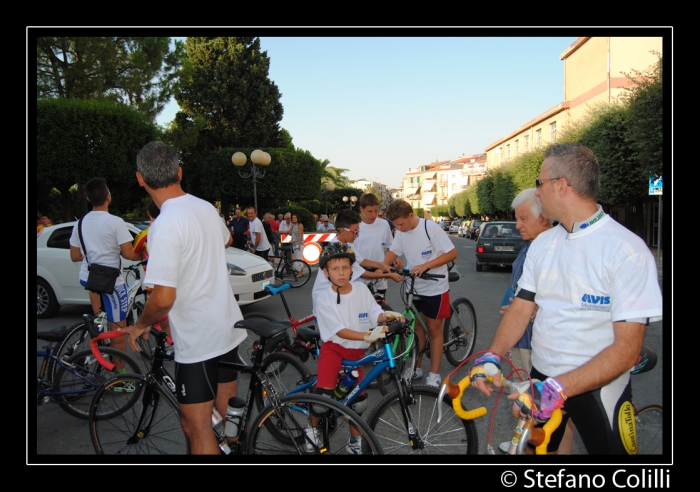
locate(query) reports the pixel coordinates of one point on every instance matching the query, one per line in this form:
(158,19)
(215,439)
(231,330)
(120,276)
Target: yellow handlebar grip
(457,404)
(549,427)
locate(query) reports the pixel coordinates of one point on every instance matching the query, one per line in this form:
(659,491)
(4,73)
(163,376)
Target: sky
(379,106)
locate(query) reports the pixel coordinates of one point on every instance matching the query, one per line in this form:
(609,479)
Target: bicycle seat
(52,335)
(265,329)
(307,334)
(277,288)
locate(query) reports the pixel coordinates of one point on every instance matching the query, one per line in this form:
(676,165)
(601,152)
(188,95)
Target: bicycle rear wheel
(284,372)
(291,418)
(245,349)
(649,422)
(290,273)
(451,436)
(75,339)
(146,425)
(85,376)
(459,331)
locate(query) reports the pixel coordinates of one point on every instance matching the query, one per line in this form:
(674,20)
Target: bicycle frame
(87,385)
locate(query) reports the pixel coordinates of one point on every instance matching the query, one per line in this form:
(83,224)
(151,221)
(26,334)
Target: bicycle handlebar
(96,351)
(540,437)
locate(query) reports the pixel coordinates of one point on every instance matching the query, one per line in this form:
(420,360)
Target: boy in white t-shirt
(375,236)
(348,324)
(426,247)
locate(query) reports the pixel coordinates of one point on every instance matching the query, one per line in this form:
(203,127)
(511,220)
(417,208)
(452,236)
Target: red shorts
(435,307)
(330,362)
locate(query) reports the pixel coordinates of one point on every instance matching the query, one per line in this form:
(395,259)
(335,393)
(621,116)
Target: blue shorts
(115,304)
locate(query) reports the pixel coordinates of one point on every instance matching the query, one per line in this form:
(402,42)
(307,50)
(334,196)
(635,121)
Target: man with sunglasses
(597,288)
(347,224)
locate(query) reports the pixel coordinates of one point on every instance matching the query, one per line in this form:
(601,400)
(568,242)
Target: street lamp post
(352,201)
(329,188)
(258,157)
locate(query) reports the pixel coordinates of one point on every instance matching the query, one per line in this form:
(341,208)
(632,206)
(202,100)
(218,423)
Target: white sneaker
(313,438)
(354,445)
(433,380)
(408,375)
(504,446)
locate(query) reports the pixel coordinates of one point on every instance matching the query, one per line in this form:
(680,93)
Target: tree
(484,191)
(138,71)
(330,174)
(225,82)
(645,122)
(78,140)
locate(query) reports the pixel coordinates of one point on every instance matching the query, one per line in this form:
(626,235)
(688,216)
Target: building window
(507,151)
(553,131)
(454,186)
(411,181)
(500,154)
(527,143)
(517,148)
(538,136)
(418,180)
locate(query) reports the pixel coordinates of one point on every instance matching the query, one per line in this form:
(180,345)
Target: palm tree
(330,174)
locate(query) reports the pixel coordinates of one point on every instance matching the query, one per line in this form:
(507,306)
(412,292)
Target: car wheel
(46,303)
(479,267)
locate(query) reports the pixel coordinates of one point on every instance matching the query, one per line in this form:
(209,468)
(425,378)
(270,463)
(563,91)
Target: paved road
(57,433)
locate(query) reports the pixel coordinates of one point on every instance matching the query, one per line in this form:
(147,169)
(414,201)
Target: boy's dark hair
(153,209)
(346,218)
(96,191)
(368,200)
(398,209)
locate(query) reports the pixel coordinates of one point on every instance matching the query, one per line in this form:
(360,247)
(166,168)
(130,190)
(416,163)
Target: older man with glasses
(596,285)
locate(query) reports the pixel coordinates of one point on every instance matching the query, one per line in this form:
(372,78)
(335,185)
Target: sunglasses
(354,233)
(540,182)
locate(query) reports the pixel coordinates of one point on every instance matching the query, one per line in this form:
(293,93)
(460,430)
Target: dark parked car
(498,244)
(445,224)
(473,231)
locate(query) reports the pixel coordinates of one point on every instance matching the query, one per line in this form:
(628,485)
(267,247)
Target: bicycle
(459,330)
(648,435)
(288,271)
(77,337)
(151,425)
(403,421)
(76,376)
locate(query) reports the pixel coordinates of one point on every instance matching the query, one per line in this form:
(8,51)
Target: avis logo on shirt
(363,318)
(427,253)
(591,302)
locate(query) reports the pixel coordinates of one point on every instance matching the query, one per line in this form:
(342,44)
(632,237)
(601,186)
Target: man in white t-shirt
(426,247)
(258,238)
(595,283)
(375,236)
(106,238)
(188,272)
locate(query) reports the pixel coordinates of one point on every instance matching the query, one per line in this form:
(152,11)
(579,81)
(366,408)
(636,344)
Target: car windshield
(455,223)
(500,229)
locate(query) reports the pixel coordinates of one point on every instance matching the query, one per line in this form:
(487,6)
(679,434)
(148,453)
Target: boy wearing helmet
(346,324)
(347,223)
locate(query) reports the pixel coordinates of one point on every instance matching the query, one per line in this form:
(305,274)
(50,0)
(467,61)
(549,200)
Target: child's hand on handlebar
(376,333)
(390,316)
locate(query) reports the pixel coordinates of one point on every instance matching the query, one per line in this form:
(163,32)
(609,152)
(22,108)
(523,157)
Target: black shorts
(589,413)
(435,307)
(198,382)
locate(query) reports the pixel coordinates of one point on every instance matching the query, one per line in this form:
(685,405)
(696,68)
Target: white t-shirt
(322,283)
(285,228)
(371,242)
(357,311)
(186,247)
(418,249)
(583,282)
(255,227)
(103,234)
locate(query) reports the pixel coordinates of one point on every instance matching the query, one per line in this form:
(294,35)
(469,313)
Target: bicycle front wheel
(76,339)
(451,436)
(459,331)
(146,425)
(83,375)
(649,422)
(291,418)
(284,372)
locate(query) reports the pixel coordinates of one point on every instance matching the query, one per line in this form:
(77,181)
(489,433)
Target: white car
(462,229)
(57,276)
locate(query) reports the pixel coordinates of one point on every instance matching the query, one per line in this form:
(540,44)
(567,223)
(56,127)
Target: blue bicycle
(405,420)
